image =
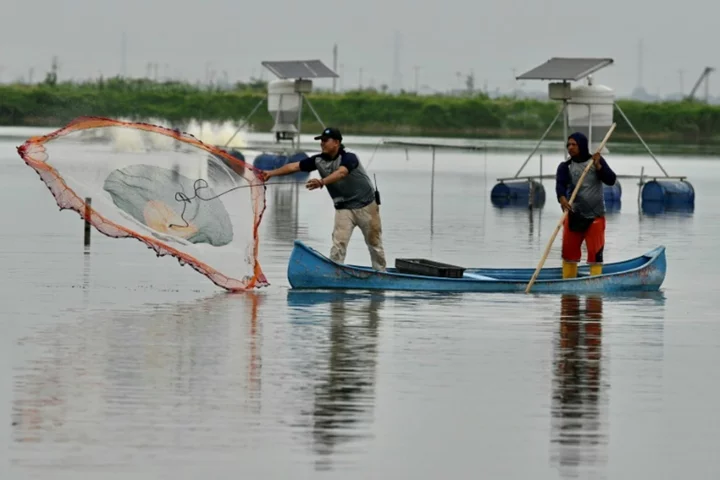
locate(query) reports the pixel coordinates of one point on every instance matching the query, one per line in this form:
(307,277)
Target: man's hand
(263,176)
(596,161)
(314,183)
(565,205)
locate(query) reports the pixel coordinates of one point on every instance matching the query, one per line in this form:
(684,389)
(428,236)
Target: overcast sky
(490,38)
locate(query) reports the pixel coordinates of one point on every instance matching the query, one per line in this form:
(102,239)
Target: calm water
(122,365)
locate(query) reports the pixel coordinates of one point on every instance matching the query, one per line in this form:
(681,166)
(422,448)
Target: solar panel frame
(299,69)
(566,68)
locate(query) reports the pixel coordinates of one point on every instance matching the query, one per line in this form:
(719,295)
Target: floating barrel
(669,192)
(269,161)
(296,157)
(612,193)
(237,154)
(235,166)
(517,193)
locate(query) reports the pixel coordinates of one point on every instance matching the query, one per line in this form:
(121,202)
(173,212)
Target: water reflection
(87,271)
(137,381)
(344,395)
(578,433)
(659,208)
(613,206)
(283,211)
(521,215)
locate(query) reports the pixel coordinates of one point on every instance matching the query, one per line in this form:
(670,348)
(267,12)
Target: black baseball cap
(330,132)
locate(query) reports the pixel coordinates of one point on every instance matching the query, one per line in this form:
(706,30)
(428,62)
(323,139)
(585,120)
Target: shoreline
(667,127)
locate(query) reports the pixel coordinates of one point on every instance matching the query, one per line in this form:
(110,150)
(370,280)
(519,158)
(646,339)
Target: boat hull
(309,269)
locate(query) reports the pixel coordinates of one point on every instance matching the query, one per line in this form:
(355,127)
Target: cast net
(176,194)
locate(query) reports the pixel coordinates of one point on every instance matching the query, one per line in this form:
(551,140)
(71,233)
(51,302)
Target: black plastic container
(421,266)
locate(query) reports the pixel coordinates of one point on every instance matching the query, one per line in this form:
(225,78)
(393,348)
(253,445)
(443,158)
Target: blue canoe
(309,269)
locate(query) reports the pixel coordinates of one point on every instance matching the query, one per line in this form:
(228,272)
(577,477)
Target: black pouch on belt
(578,223)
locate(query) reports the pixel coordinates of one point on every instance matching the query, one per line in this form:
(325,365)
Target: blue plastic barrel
(669,192)
(296,157)
(269,161)
(612,193)
(517,193)
(237,154)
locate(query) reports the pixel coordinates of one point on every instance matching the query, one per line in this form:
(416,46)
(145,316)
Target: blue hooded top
(582,143)
(563,181)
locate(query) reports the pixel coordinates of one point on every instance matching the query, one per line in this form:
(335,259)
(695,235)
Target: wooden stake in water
(432,192)
(88,203)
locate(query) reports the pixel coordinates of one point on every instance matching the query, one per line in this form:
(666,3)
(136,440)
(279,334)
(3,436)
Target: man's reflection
(344,396)
(577,429)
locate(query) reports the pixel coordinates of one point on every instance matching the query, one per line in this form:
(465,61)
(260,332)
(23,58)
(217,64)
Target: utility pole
(397,76)
(335,66)
(123,56)
(417,78)
(640,63)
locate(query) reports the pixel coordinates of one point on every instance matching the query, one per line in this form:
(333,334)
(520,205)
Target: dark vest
(354,191)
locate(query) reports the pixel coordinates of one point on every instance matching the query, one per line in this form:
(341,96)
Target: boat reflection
(578,432)
(344,395)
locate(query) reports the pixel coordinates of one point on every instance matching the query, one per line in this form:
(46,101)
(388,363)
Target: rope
(201,183)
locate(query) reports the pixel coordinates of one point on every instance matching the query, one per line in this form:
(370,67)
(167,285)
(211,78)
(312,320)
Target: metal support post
(247,120)
(640,138)
(540,141)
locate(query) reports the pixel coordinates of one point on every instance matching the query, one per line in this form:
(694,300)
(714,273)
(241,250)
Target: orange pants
(594,238)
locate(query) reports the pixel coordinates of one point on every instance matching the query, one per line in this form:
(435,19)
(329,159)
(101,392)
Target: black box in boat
(421,266)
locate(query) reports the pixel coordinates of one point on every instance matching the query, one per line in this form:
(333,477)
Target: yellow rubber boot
(596,269)
(569,269)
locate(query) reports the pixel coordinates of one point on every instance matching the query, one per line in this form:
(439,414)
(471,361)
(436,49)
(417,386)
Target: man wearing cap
(351,190)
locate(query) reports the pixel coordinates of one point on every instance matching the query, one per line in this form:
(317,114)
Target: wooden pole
(432,191)
(562,218)
(88,212)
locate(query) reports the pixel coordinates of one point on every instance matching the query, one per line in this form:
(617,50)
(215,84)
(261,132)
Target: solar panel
(559,68)
(300,69)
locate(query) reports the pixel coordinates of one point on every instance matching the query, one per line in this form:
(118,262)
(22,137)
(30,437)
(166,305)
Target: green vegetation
(365,112)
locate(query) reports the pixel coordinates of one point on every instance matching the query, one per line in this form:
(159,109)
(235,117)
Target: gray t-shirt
(590,199)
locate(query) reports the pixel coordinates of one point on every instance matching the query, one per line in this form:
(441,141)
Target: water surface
(122,365)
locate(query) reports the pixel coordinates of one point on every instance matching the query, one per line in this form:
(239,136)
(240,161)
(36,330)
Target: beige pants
(368,220)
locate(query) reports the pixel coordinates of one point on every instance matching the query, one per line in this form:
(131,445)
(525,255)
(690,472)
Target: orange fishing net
(179,196)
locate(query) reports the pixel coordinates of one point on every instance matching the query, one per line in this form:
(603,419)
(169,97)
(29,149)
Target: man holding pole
(585,220)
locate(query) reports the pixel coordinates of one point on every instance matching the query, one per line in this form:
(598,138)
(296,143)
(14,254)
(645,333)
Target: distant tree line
(53,103)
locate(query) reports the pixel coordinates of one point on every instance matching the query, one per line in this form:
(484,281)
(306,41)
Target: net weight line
(201,183)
